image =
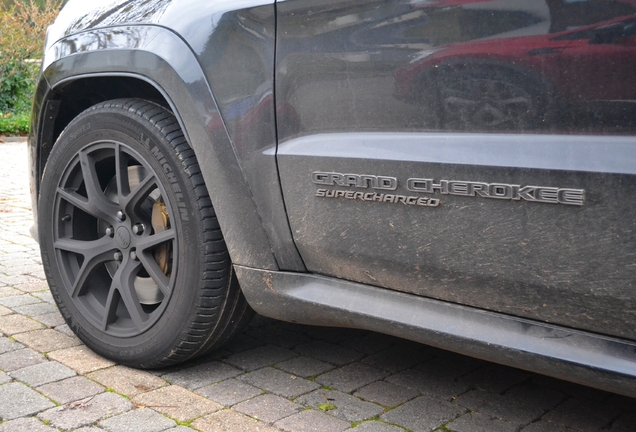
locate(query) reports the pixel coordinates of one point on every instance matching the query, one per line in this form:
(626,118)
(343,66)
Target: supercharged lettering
(378,197)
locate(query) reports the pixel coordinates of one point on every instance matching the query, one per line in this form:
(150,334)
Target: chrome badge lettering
(549,195)
(383,184)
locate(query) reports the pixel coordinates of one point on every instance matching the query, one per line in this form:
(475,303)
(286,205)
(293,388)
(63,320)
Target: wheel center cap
(123,237)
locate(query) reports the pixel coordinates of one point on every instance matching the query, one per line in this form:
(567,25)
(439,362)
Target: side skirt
(585,358)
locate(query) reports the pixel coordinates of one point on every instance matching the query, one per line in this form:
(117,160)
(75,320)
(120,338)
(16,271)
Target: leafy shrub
(22,32)
(14,124)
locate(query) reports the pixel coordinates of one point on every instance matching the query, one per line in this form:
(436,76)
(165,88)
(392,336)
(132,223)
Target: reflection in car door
(468,186)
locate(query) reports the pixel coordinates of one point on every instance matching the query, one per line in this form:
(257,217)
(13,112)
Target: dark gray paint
(587,358)
(210,40)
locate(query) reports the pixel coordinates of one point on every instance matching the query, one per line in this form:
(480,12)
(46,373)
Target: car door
(434,154)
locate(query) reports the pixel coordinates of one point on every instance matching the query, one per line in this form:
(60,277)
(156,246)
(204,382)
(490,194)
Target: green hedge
(23,26)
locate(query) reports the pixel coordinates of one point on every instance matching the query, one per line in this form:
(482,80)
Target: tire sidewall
(108,124)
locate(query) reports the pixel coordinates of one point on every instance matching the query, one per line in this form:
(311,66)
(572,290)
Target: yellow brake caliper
(160,222)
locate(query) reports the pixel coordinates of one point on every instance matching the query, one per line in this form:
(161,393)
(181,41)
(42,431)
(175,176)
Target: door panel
(434,155)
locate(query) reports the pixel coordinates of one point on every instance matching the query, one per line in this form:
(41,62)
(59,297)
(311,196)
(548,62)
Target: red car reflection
(523,82)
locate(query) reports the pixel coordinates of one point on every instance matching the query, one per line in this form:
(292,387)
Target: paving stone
(304,366)
(7,292)
(34,285)
(45,296)
(15,280)
(141,420)
(268,408)
(201,375)
(386,393)
(344,406)
(18,401)
(583,414)
(623,402)
(369,343)
(4,378)
(65,329)
(7,345)
(34,309)
(476,422)
(423,414)
(5,310)
(520,405)
(51,320)
(312,421)
(14,324)
(229,392)
(25,424)
(398,358)
(329,352)
(351,377)
(47,340)
(243,343)
(624,423)
(571,389)
(19,359)
(276,335)
(496,378)
(547,426)
(451,365)
(433,385)
(260,357)
(279,382)
(376,426)
(43,373)
(86,411)
(71,389)
(230,421)
(19,300)
(177,403)
(89,429)
(127,381)
(334,335)
(80,359)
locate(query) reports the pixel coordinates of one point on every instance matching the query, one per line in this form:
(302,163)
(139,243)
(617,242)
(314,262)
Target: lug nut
(133,255)
(110,232)
(138,229)
(121,216)
(118,256)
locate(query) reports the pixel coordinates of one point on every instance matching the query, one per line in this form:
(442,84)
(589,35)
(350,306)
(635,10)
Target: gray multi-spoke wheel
(130,243)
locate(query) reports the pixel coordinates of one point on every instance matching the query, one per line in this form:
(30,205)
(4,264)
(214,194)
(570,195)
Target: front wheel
(130,243)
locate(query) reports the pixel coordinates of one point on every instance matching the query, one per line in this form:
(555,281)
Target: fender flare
(161,58)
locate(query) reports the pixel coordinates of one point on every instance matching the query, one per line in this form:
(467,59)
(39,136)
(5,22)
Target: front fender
(158,56)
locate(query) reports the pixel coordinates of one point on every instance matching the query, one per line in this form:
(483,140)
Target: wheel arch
(159,67)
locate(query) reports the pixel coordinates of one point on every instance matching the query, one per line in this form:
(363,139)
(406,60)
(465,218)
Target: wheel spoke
(121,173)
(155,239)
(155,272)
(124,283)
(95,252)
(132,201)
(97,204)
(111,308)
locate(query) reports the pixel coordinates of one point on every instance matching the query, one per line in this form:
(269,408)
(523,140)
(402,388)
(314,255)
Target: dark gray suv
(456,172)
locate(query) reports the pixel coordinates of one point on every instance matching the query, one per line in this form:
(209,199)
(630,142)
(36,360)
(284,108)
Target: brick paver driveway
(277,376)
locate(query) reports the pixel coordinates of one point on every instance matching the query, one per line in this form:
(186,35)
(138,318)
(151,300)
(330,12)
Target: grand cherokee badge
(383,184)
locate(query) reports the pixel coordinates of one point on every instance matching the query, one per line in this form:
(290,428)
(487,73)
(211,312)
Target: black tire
(152,285)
